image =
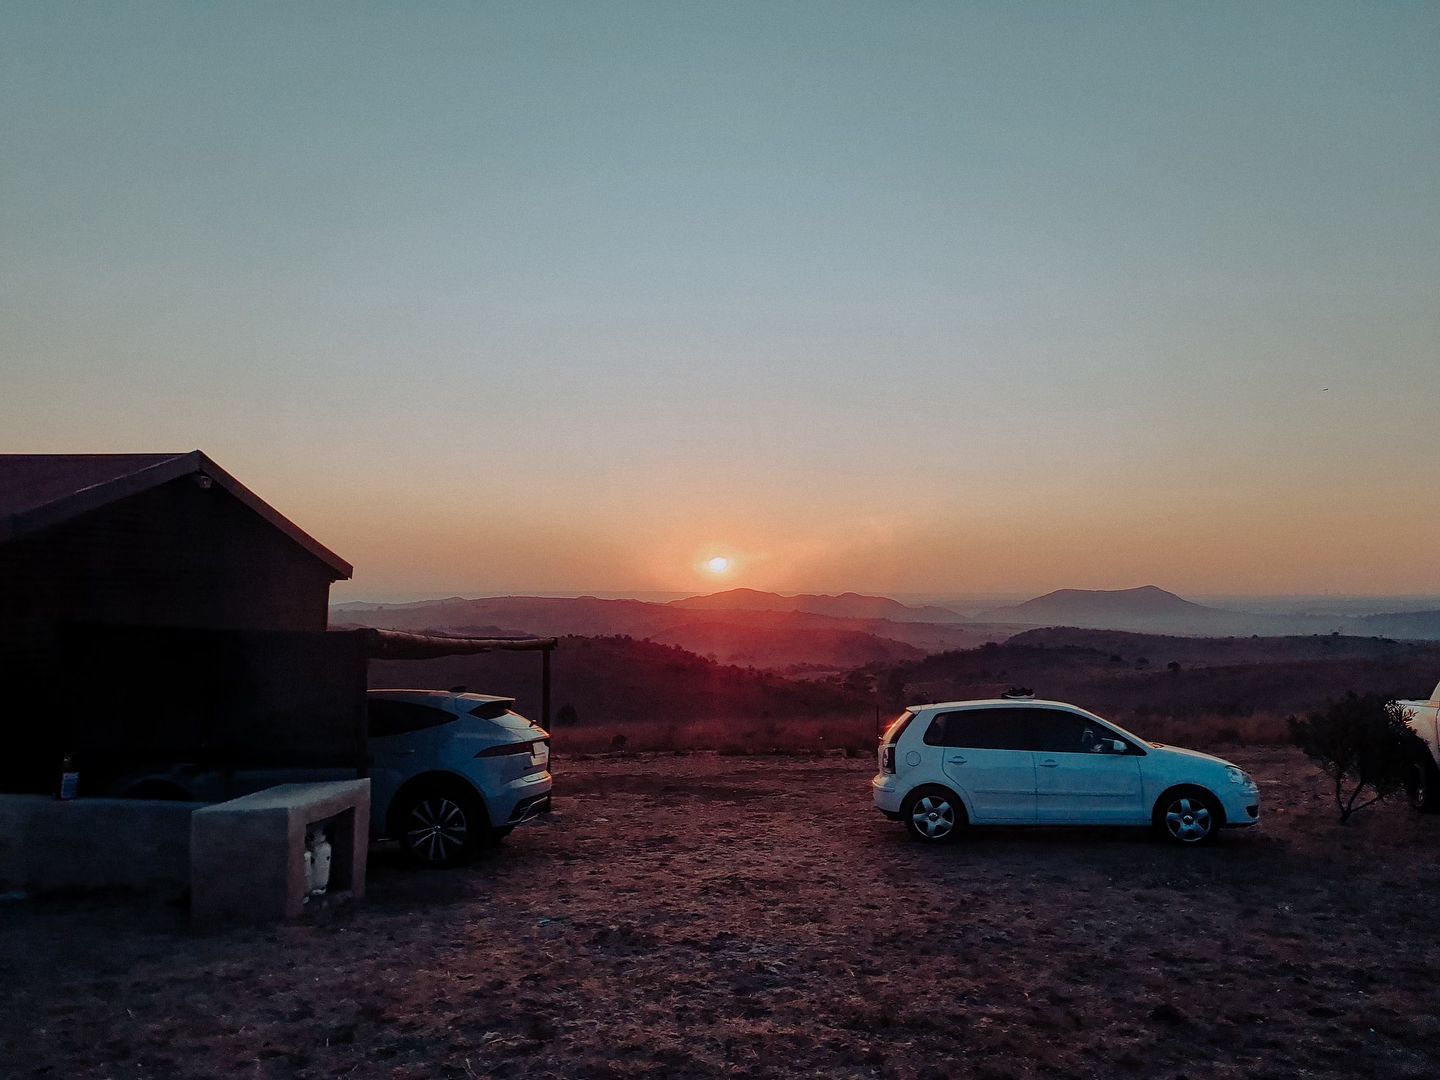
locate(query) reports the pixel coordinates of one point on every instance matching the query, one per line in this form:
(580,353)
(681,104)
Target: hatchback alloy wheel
(1189,820)
(933,817)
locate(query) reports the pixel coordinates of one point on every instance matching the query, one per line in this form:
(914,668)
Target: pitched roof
(40,490)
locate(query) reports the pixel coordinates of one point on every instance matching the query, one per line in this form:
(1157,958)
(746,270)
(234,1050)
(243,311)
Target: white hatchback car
(1008,761)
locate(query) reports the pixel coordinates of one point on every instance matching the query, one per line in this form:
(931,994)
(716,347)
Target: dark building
(156,543)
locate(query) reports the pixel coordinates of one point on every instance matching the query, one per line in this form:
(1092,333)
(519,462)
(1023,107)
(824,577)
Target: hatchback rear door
(987,756)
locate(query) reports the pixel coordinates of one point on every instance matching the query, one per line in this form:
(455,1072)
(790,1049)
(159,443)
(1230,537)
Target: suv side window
(1059,732)
(981,729)
(399,717)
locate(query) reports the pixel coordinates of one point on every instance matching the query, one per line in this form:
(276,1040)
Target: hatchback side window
(399,717)
(981,729)
(1059,732)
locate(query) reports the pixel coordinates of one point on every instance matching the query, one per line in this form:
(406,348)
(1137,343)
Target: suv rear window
(491,710)
(399,717)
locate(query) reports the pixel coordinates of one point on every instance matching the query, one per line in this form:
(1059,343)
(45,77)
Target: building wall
(177,555)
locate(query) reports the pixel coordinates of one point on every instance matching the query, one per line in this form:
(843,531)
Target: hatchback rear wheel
(933,815)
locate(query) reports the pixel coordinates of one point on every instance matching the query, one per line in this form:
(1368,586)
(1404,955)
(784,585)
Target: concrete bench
(247,856)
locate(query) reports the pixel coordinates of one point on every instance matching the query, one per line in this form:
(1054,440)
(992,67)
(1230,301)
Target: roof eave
(122,487)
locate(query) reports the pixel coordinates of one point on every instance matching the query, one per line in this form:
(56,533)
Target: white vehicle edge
(1423,718)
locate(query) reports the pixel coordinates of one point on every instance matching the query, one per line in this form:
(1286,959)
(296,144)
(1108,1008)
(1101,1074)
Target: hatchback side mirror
(1119,746)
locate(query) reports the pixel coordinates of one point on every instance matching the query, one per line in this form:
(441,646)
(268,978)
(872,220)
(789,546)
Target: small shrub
(1364,744)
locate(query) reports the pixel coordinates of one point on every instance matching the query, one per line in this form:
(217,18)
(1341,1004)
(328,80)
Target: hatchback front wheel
(1189,817)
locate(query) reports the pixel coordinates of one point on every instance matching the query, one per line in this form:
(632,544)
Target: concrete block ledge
(48,845)
(247,856)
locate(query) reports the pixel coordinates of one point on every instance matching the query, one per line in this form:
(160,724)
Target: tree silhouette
(1364,744)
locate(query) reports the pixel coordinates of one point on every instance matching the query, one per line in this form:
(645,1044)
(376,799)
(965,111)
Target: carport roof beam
(397,645)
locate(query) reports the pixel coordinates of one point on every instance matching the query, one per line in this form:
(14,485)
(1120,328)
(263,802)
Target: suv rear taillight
(887,758)
(506,749)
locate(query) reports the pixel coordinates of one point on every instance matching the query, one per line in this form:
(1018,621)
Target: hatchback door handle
(1049,763)
(956,760)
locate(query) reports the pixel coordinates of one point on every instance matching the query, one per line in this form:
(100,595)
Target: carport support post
(545,688)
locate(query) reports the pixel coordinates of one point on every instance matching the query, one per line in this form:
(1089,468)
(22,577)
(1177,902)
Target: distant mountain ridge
(1151,609)
(768,630)
(1145,602)
(849,605)
(763,638)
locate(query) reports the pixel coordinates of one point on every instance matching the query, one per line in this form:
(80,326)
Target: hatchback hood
(1180,751)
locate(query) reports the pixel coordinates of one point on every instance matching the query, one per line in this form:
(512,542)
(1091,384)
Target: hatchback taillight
(887,758)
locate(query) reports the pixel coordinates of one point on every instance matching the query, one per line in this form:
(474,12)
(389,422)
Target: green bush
(1365,746)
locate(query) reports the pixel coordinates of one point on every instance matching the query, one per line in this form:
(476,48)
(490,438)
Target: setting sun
(718,565)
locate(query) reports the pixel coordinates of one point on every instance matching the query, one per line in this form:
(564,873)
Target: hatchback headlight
(1239,776)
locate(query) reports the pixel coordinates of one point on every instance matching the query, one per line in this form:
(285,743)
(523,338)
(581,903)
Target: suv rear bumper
(520,800)
(529,808)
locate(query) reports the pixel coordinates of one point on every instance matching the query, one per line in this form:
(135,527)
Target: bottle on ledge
(69,779)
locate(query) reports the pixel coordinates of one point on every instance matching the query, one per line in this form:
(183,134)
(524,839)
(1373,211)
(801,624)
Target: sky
(912,298)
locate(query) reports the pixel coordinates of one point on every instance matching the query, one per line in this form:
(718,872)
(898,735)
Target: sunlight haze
(917,298)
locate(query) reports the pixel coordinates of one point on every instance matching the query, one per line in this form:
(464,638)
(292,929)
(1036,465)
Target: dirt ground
(722,916)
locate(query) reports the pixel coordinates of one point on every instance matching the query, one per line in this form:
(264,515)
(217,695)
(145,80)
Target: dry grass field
(708,915)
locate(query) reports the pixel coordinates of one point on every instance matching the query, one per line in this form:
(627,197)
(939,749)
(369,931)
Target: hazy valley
(746,670)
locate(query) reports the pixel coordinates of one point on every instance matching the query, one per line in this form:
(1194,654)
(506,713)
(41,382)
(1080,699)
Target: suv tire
(441,825)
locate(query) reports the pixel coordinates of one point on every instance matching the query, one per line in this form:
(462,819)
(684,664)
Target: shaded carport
(235,699)
(397,645)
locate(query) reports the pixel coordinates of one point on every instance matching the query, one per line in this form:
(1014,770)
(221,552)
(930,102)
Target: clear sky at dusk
(921,298)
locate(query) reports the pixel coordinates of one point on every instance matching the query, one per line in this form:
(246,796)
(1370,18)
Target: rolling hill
(1110,608)
(1129,677)
(848,605)
(759,638)
(622,681)
(1152,609)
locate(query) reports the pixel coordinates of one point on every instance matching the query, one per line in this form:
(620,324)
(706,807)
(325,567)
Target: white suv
(450,773)
(1024,762)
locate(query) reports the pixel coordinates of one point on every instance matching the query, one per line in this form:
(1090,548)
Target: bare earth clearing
(705,915)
